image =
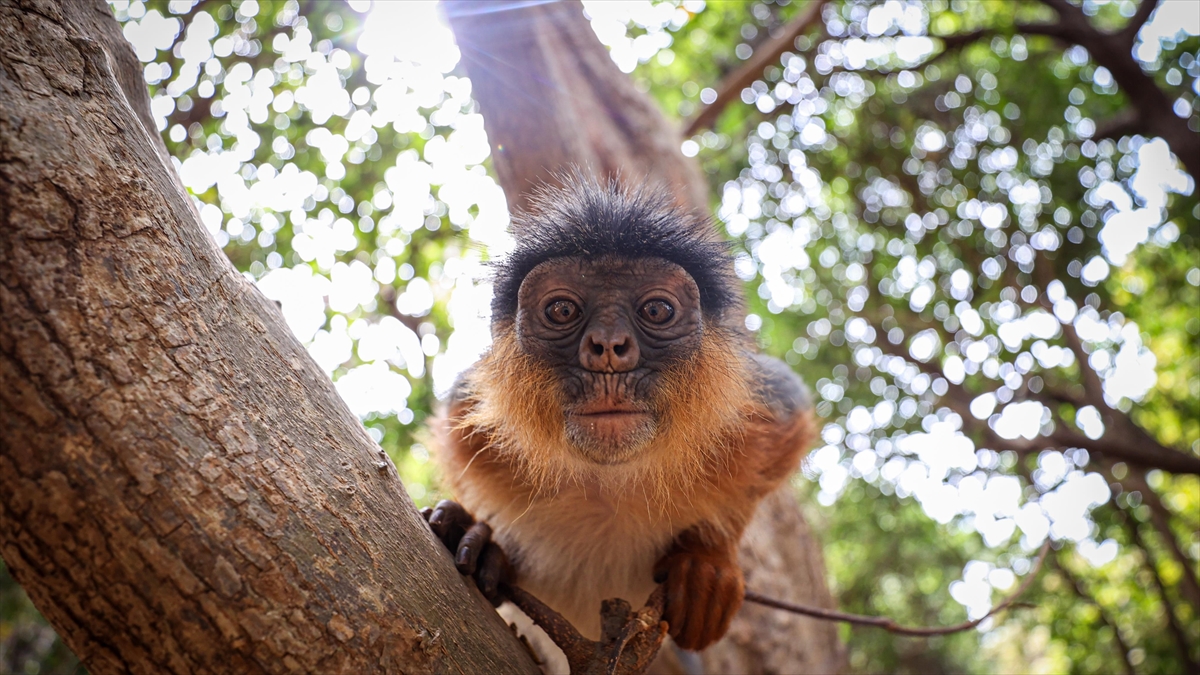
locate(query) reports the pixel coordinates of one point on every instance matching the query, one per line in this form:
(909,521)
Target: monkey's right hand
(470,543)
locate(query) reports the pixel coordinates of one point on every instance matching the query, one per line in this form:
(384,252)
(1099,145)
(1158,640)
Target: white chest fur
(578,548)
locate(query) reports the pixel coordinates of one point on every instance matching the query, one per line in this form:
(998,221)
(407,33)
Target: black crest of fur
(585,218)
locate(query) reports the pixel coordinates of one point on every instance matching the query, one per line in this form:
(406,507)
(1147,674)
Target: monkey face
(609,328)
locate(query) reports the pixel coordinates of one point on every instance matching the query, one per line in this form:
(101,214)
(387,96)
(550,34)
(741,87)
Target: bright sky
(410,54)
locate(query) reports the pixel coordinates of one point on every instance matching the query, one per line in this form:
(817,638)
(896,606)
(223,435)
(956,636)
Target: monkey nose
(609,351)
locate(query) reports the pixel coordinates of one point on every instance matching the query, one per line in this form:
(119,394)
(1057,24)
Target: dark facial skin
(609,328)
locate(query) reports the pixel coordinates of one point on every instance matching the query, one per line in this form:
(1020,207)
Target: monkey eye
(657,311)
(562,312)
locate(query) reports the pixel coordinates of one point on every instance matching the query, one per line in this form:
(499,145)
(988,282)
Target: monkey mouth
(610,433)
(609,412)
(608,415)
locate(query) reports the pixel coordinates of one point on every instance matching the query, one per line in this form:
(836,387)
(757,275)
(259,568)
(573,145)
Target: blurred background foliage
(987,278)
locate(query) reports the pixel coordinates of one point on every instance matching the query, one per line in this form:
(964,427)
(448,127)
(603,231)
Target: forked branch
(628,642)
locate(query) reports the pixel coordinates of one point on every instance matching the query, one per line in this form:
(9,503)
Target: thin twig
(631,639)
(954,43)
(768,54)
(889,624)
(628,642)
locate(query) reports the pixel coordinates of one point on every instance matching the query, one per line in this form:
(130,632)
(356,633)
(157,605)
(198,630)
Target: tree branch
(1072,22)
(1144,11)
(628,642)
(889,624)
(165,437)
(1107,620)
(1050,394)
(1146,453)
(1160,518)
(1093,386)
(1124,441)
(768,54)
(1123,123)
(951,44)
(1154,107)
(1057,31)
(1181,639)
(955,43)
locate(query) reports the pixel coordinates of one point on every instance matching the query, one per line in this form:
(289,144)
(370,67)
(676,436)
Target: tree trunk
(181,488)
(552,99)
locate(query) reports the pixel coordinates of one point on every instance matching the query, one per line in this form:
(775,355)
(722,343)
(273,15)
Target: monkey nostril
(620,349)
(597,349)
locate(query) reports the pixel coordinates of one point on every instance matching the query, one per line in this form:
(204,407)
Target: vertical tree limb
(553,100)
(1144,11)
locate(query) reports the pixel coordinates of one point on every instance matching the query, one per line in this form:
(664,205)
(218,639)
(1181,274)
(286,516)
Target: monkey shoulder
(461,397)
(461,389)
(779,387)
(780,437)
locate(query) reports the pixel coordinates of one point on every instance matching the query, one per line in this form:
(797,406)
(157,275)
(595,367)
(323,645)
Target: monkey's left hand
(470,542)
(704,591)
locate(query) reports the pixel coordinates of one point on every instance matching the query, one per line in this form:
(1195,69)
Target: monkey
(622,428)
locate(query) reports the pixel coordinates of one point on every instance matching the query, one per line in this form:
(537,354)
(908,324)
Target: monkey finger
(727,611)
(426,512)
(470,546)
(677,597)
(726,600)
(448,510)
(699,601)
(713,609)
(492,571)
(449,521)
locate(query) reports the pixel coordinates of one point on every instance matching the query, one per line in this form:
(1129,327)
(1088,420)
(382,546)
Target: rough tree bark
(181,488)
(552,99)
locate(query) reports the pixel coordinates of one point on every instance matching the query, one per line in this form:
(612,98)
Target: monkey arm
(704,586)
(701,572)
(781,388)
(778,440)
